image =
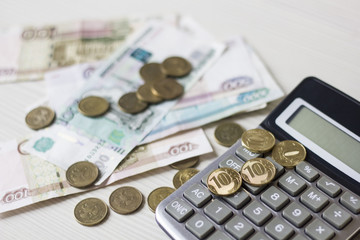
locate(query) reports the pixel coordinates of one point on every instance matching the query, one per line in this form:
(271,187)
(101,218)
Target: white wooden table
(295,39)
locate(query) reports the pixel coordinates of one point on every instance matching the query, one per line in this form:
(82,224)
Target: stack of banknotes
(103,58)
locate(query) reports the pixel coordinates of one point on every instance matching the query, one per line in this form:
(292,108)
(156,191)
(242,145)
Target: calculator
(318,199)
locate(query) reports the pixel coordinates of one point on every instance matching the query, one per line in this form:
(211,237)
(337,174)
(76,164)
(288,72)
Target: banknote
(106,140)
(26,179)
(198,115)
(232,74)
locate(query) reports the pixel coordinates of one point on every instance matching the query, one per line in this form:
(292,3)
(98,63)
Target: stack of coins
(258,171)
(159,84)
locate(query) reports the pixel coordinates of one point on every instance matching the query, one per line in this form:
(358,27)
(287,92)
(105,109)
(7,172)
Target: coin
(152,72)
(176,66)
(145,94)
(82,174)
(40,117)
(167,89)
(156,196)
(183,176)
(90,211)
(125,200)
(258,140)
(289,153)
(227,134)
(93,106)
(224,181)
(129,103)
(258,171)
(187,163)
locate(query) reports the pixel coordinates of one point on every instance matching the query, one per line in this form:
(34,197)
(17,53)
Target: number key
(239,228)
(296,214)
(274,198)
(278,229)
(218,211)
(199,226)
(257,213)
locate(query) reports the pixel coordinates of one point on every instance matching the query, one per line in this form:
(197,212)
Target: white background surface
(294,38)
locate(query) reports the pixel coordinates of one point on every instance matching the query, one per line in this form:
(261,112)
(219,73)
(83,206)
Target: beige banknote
(26,179)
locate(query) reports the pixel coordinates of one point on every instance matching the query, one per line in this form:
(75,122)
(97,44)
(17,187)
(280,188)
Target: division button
(336,216)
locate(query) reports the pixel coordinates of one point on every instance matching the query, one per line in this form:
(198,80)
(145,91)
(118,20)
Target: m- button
(197,195)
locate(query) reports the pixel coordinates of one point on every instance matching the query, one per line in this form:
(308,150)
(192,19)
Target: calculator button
(328,186)
(278,229)
(197,195)
(238,200)
(274,198)
(307,171)
(351,202)
(259,236)
(199,226)
(205,177)
(336,216)
(296,214)
(257,213)
(218,211)
(239,228)
(292,184)
(299,237)
(252,189)
(217,235)
(231,162)
(179,210)
(318,230)
(245,154)
(279,169)
(314,199)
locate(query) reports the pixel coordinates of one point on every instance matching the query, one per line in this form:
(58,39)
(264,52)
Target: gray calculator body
(318,199)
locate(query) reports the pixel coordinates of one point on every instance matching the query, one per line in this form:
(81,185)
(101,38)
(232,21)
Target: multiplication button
(197,195)
(318,230)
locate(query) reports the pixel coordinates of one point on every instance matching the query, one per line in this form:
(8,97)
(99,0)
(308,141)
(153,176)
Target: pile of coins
(160,84)
(256,171)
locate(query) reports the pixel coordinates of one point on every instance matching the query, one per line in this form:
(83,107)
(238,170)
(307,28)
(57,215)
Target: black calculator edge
(310,89)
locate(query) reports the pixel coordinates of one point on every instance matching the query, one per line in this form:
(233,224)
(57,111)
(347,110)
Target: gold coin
(125,200)
(90,211)
(156,196)
(145,94)
(183,176)
(258,140)
(82,174)
(224,181)
(93,106)
(187,163)
(176,66)
(40,117)
(167,89)
(227,134)
(289,153)
(152,72)
(129,103)
(258,171)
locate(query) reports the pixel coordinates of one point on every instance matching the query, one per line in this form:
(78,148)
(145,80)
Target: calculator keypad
(296,202)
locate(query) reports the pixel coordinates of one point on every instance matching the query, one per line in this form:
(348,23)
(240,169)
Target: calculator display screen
(327,136)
